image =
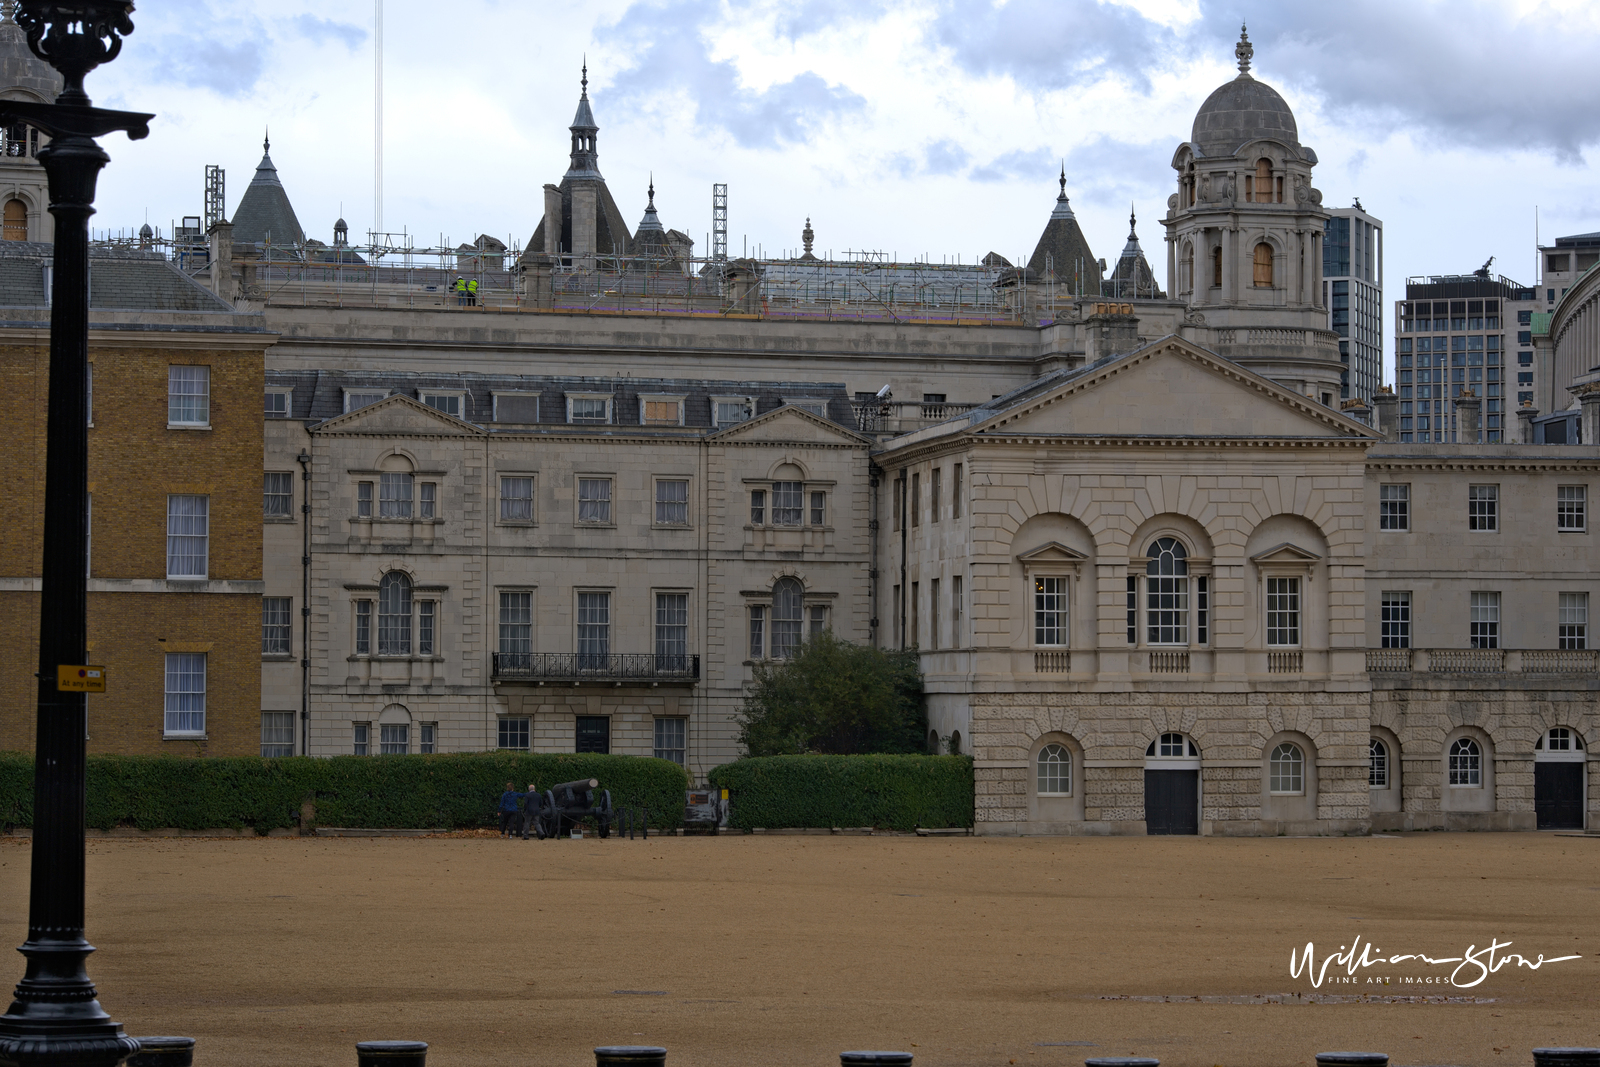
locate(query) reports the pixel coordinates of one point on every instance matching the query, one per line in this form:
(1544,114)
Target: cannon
(562,806)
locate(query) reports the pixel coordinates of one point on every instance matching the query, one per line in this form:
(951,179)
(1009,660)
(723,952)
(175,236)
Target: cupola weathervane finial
(585,93)
(1244,49)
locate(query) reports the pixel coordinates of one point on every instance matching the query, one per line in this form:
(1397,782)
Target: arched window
(1377,764)
(394,615)
(1263,181)
(1263,266)
(933,742)
(16,221)
(955,743)
(788,610)
(1167,589)
(1055,771)
(1466,762)
(1288,770)
(1216,267)
(1559,739)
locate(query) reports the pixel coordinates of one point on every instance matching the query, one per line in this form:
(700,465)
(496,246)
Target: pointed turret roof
(651,237)
(651,223)
(1063,251)
(265,209)
(1132,276)
(584,119)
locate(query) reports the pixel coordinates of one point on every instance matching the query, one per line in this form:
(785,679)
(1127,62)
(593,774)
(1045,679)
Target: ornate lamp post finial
(1244,49)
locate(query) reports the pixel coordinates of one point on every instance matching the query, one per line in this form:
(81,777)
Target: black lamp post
(55,1018)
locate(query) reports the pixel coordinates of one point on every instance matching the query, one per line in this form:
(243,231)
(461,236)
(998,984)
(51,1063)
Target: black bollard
(163,1052)
(874,1059)
(1352,1059)
(1565,1057)
(1121,1061)
(630,1056)
(391,1053)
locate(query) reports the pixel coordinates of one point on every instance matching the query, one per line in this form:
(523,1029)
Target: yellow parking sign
(80,679)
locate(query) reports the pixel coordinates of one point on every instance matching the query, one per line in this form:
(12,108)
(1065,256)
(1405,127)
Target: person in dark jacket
(530,809)
(508,808)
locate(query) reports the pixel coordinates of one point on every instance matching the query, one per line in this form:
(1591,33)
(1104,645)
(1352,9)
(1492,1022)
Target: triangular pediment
(1169,388)
(399,415)
(790,424)
(1285,553)
(1051,552)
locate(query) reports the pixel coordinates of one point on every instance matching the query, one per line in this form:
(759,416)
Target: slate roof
(1065,250)
(611,230)
(265,209)
(319,395)
(120,280)
(1132,276)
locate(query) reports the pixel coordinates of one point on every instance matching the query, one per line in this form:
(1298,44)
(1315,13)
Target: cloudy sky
(918,127)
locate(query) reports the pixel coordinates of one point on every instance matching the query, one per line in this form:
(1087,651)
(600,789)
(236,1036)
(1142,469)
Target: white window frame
(656,501)
(657,625)
(277,726)
(611,500)
(661,398)
(1289,612)
(749,403)
(349,394)
(606,397)
(677,730)
(427,738)
(184,662)
(502,608)
(1464,769)
(394,738)
(1060,762)
(1378,760)
(1291,781)
(288,403)
(1397,495)
(205,539)
(459,396)
(1484,610)
(361,738)
(1572,501)
(1486,518)
(201,423)
(1572,620)
(501,498)
(1399,601)
(816,405)
(287,624)
(520,395)
(1036,580)
(277,516)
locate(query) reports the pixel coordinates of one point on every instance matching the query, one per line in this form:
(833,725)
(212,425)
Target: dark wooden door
(1558,795)
(1172,802)
(594,733)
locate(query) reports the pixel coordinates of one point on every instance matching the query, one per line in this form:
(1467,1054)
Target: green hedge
(887,792)
(448,791)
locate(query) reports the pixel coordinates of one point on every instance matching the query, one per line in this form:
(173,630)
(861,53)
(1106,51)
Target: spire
(1063,206)
(1131,250)
(1244,50)
(585,159)
(266,140)
(1133,223)
(651,223)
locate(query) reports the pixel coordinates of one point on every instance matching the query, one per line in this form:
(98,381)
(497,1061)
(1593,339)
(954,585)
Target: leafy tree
(835,697)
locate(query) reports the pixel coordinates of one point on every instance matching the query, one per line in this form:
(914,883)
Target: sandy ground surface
(787,950)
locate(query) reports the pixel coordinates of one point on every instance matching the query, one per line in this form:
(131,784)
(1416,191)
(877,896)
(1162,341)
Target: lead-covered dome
(1242,111)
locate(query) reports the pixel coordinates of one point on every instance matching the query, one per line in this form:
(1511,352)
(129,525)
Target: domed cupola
(1241,111)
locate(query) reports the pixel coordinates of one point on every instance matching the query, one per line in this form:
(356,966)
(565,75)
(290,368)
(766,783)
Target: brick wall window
(188,396)
(186,694)
(188,535)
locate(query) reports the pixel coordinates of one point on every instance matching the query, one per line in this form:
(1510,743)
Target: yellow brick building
(175,506)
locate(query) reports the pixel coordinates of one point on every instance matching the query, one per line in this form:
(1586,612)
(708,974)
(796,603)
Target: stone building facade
(553,564)
(175,559)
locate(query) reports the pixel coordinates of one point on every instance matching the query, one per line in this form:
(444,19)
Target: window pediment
(1051,553)
(1288,554)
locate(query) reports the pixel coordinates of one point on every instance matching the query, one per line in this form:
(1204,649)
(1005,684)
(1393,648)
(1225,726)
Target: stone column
(1525,417)
(1386,405)
(1590,423)
(1468,410)
(1172,267)
(1229,267)
(552,220)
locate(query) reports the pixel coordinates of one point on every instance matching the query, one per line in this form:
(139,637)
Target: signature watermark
(1471,967)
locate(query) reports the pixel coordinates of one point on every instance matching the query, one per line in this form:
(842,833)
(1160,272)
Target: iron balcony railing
(579,667)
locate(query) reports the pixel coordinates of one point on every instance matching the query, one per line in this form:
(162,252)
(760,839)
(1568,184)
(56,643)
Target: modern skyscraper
(1352,280)
(1451,335)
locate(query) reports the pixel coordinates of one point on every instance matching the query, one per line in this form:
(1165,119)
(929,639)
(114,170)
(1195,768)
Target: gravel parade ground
(756,950)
